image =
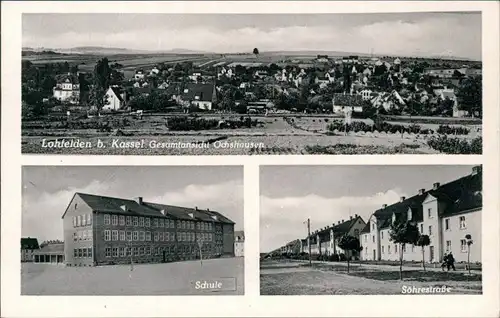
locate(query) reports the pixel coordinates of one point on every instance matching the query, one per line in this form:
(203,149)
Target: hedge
(456,145)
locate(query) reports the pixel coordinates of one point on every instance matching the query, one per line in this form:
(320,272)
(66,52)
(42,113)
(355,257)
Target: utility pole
(309,239)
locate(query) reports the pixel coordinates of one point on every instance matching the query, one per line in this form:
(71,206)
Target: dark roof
(29,243)
(366,229)
(341,228)
(459,195)
(142,90)
(117,92)
(204,92)
(112,205)
(67,78)
(56,248)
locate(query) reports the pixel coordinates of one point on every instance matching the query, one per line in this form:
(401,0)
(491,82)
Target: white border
(251,304)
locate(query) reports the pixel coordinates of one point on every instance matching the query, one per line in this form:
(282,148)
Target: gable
(76,203)
(429,198)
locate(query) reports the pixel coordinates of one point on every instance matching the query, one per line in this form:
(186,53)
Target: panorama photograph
(252,84)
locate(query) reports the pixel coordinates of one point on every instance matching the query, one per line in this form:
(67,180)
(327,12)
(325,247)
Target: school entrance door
(374,255)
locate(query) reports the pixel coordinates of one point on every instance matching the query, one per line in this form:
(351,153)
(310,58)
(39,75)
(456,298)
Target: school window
(136,251)
(141,250)
(147,222)
(429,212)
(173,237)
(198,225)
(142,236)
(148,236)
(84,220)
(90,252)
(75,252)
(430,230)
(114,235)
(115,251)
(172,224)
(129,220)
(75,237)
(129,235)
(155,222)
(84,252)
(74,221)
(122,219)
(421,229)
(448,246)
(463,225)
(463,245)
(122,235)
(388,249)
(129,251)
(178,224)
(84,235)
(166,235)
(78,220)
(155,237)
(89,219)
(136,221)
(162,236)
(106,219)
(161,223)
(382,250)
(121,250)
(209,237)
(136,236)
(141,221)
(447,224)
(114,219)
(202,225)
(107,235)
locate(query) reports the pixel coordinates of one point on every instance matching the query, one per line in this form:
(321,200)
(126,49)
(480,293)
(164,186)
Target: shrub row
(194,123)
(456,145)
(451,130)
(358,126)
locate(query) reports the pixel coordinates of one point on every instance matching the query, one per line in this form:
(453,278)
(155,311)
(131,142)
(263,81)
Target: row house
(446,213)
(101,230)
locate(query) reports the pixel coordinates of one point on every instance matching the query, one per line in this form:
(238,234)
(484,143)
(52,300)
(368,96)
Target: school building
(447,213)
(101,230)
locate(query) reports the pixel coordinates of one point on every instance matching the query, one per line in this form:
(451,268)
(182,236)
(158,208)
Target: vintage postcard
(85,225)
(384,230)
(252,84)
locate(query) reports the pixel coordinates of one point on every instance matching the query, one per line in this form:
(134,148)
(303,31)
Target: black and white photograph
(252,84)
(132,230)
(371,230)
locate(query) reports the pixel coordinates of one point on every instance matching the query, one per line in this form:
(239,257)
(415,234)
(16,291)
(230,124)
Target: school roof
(461,195)
(29,243)
(103,204)
(204,92)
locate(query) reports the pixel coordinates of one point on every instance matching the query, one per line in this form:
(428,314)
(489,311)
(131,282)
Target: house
(52,253)
(239,243)
(446,213)
(100,230)
(322,59)
(195,76)
(29,245)
(67,89)
(344,102)
(203,96)
(450,94)
(115,99)
(154,71)
(366,94)
(440,72)
(325,240)
(388,100)
(260,74)
(163,85)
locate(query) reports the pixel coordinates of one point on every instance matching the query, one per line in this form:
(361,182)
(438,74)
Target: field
(145,279)
(272,135)
(297,278)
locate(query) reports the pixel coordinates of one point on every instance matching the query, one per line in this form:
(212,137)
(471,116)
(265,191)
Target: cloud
(42,211)
(283,219)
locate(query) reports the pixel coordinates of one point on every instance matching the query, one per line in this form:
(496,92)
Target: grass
(146,279)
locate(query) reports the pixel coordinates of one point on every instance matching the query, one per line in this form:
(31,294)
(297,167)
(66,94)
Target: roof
(29,243)
(461,195)
(56,248)
(204,92)
(366,229)
(117,92)
(340,228)
(67,78)
(113,205)
(239,236)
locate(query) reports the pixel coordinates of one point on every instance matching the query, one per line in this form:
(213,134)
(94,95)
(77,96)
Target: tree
(101,82)
(349,244)
(402,233)
(469,242)
(423,241)
(256,52)
(469,95)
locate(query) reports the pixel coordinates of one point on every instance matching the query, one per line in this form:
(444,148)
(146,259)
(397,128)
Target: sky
(454,34)
(47,191)
(289,195)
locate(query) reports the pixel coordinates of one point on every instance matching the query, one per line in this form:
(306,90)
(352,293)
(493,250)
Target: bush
(451,130)
(455,145)
(334,258)
(342,257)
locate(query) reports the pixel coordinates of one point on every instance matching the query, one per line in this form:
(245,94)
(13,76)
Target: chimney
(342,220)
(138,200)
(350,217)
(208,210)
(338,222)
(421,191)
(384,206)
(435,185)
(402,199)
(196,208)
(355,215)
(476,170)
